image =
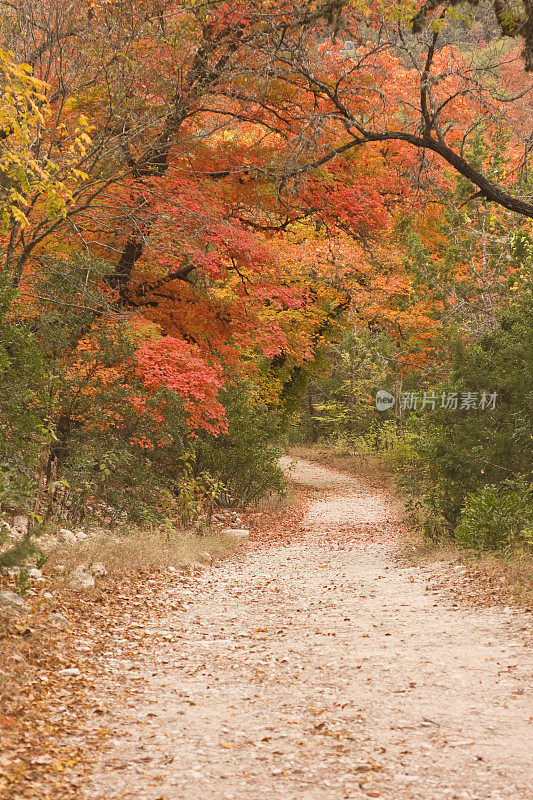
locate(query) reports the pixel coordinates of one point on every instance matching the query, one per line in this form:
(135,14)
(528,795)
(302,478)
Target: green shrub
(497,518)
(22,425)
(245,459)
(460,452)
(18,552)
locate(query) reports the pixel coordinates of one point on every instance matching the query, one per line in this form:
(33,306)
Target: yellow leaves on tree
(25,173)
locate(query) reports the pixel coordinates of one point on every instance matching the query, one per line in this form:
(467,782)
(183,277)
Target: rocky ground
(314,664)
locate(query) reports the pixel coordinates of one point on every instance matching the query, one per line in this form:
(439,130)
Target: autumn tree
(233,164)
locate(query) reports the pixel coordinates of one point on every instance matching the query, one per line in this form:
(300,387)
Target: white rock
(59,620)
(69,672)
(219,517)
(81,579)
(65,536)
(35,573)
(48,596)
(236,533)
(13,603)
(98,570)
(21,524)
(81,536)
(5,528)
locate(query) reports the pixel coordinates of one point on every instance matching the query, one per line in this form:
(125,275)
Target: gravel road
(320,666)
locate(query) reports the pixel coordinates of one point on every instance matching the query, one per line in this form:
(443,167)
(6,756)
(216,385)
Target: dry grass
(134,550)
(505,578)
(501,577)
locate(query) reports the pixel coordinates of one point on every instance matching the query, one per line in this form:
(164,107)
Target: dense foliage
(199,201)
(464,452)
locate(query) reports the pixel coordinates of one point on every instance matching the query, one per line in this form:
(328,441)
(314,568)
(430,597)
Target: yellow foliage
(23,174)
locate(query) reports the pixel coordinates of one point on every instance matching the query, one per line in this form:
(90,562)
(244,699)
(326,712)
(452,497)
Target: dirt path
(321,668)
